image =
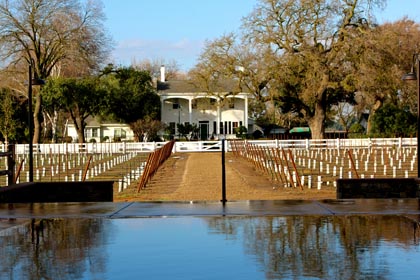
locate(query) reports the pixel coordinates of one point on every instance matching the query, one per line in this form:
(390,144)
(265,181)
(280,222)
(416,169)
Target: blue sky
(177,29)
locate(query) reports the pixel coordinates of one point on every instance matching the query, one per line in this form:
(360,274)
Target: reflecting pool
(239,247)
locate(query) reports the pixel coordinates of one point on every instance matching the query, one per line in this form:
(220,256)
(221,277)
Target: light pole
(31,82)
(414,76)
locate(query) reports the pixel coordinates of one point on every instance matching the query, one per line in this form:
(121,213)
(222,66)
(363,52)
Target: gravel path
(198,177)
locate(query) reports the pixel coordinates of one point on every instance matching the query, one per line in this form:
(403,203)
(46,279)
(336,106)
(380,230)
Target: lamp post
(31,82)
(414,76)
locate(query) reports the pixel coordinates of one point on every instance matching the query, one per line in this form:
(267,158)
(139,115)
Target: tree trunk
(37,124)
(80,130)
(53,119)
(80,127)
(376,106)
(54,127)
(317,122)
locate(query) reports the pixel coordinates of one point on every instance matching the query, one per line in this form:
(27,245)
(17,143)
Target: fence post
(223,173)
(11,164)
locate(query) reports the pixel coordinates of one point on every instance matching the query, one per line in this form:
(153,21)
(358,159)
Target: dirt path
(198,177)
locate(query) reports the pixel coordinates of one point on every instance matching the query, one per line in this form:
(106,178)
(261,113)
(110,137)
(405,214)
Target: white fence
(69,160)
(210,146)
(337,143)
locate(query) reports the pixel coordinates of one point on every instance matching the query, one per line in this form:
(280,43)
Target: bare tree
(226,68)
(172,70)
(50,35)
(146,129)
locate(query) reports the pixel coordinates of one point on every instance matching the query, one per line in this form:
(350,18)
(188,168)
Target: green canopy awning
(300,130)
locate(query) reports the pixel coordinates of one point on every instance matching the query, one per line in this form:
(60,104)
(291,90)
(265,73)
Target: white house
(102,131)
(216,115)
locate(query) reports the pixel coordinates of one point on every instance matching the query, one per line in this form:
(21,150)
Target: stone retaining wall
(378,188)
(90,191)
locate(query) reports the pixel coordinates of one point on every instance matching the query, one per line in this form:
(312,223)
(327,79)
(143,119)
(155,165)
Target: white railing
(198,146)
(210,146)
(337,143)
(91,148)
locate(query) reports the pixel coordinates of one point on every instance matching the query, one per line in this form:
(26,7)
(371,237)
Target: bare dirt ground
(198,177)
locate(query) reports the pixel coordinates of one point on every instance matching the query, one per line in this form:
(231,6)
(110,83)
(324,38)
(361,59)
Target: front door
(204,130)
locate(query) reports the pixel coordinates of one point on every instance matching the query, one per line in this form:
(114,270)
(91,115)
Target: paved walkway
(409,207)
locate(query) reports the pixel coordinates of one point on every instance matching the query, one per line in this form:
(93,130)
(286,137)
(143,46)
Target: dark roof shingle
(187,86)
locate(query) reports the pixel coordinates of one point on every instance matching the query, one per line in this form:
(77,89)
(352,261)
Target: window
(119,133)
(235,127)
(231,103)
(92,132)
(95,132)
(194,104)
(175,106)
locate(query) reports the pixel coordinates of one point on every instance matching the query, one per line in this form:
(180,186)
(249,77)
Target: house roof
(300,130)
(97,122)
(187,86)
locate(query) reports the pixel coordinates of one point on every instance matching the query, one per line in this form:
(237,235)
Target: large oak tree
(310,40)
(387,54)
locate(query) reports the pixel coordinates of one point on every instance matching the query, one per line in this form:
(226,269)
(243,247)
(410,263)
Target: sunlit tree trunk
(52,119)
(375,107)
(37,124)
(317,122)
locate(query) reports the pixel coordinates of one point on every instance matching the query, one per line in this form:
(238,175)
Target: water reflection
(353,247)
(334,247)
(54,249)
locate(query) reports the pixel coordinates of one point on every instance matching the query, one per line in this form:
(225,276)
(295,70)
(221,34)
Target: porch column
(190,110)
(162,101)
(246,112)
(219,117)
